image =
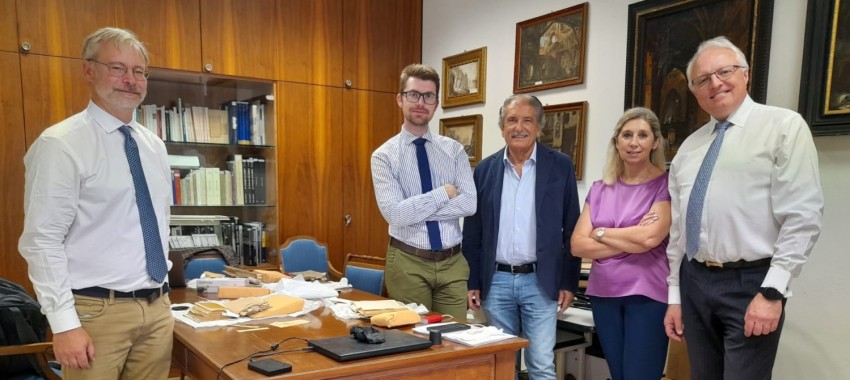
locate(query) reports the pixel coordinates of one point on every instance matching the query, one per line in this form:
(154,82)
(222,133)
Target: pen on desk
(256,329)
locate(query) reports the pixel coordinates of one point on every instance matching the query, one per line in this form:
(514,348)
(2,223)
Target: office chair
(364,273)
(303,253)
(204,262)
(42,352)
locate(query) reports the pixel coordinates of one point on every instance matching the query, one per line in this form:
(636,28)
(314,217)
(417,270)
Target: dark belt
(148,294)
(515,269)
(433,255)
(740,264)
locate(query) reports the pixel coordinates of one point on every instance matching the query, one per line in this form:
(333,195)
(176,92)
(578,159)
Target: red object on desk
(433,319)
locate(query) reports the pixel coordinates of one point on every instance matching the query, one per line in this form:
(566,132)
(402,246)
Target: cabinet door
(8,26)
(312,41)
(309,145)
(381,38)
(371,118)
(12,147)
(169,28)
(54,88)
(241,37)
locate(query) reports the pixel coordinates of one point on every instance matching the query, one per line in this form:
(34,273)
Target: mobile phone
(269,367)
(449,327)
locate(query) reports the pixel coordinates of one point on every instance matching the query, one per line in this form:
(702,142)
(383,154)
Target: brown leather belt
(148,294)
(737,264)
(433,255)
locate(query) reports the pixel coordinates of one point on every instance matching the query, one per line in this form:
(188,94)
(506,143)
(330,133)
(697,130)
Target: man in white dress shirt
(84,240)
(760,218)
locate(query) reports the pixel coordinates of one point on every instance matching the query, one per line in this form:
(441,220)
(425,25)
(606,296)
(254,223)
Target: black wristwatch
(771,294)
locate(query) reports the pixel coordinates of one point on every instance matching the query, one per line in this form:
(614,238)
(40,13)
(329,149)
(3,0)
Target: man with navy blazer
(517,242)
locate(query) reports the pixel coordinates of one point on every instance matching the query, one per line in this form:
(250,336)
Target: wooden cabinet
(312,42)
(53,88)
(326,140)
(240,37)
(8,26)
(169,28)
(12,151)
(381,38)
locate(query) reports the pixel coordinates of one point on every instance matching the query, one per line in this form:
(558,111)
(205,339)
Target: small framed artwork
(465,78)
(550,50)
(663,35)
(563,131)
(467,131)
(825,80)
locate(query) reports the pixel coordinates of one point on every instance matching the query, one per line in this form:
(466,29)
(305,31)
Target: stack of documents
(370,308)
(475,336)
(206,311)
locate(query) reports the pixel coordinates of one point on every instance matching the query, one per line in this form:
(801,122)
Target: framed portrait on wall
(563,130)
(467,131)
(663,35)
(550,50)
(465,78)
(825,79)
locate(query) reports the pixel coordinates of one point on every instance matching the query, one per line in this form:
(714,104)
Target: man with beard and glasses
(96,227)
(423,185)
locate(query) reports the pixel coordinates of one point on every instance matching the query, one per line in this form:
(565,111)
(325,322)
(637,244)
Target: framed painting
(465,78)
(825,80)
(563,130)
(467,131)
(663,36)
(550,50)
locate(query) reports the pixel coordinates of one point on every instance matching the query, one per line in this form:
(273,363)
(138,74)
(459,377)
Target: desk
(578,321)
(201,352)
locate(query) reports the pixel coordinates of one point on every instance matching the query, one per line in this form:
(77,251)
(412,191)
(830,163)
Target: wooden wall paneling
(54,88)
(12,149)
(309,164)
(169,28)
(311,49)
(241,38)
(371,118)
(381,38)
(8,26)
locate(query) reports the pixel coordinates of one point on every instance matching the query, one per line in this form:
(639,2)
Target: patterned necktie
(693,219)
(425,178)
(155,256)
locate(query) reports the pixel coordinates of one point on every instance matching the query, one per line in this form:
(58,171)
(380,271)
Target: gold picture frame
(465,78)
(564,131)
(467,131)
(550,50)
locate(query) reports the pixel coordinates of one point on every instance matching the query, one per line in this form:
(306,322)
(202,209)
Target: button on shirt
(398,190)
(764,199)
(82,223)
(517,242)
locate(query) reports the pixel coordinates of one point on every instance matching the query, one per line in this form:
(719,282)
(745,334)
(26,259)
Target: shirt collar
(739,117)
(533,157)
(106,121)
(408,138)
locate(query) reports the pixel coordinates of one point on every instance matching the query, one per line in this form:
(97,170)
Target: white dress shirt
(764,199)
(82,224)
(398,190)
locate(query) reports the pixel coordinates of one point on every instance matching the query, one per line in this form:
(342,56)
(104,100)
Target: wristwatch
(600,233)
(771,294)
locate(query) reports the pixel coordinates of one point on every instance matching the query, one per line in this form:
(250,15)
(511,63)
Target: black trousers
(714,302)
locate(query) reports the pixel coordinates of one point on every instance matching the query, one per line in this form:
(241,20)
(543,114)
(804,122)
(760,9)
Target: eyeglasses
(118,70)
(413,97)
(722,73)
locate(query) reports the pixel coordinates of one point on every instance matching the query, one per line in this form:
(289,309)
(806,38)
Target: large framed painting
(663,36)
(825,80)
(563,130)
(550,50)
(467,131)
(465,78)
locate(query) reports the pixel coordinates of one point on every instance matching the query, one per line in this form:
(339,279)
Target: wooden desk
(201,352)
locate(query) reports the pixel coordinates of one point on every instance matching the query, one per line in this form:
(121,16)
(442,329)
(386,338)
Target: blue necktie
(693,220)
(155,256)
(425,178)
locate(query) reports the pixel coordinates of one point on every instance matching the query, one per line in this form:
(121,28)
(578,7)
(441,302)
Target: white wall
(816,338)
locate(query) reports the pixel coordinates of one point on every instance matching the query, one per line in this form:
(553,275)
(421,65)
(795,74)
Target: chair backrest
(302,253)
(200,263)
(365,279)
(42,352)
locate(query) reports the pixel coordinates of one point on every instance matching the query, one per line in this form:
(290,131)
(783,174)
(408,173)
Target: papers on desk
(475,336)
(181,315)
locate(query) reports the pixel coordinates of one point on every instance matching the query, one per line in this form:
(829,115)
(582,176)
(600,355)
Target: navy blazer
(556,199)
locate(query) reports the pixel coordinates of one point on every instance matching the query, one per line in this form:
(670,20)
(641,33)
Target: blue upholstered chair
(364,273)
(198,264)
(302,253)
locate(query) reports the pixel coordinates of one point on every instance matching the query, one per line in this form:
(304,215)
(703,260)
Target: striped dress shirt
(398,190)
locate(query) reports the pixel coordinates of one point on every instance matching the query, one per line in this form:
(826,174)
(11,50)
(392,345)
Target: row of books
(247,239)
(242,183)
(238,122)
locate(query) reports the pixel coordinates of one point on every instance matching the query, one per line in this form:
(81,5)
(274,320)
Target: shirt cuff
(673,295)
(441,197)
(63,320)
(778,279)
